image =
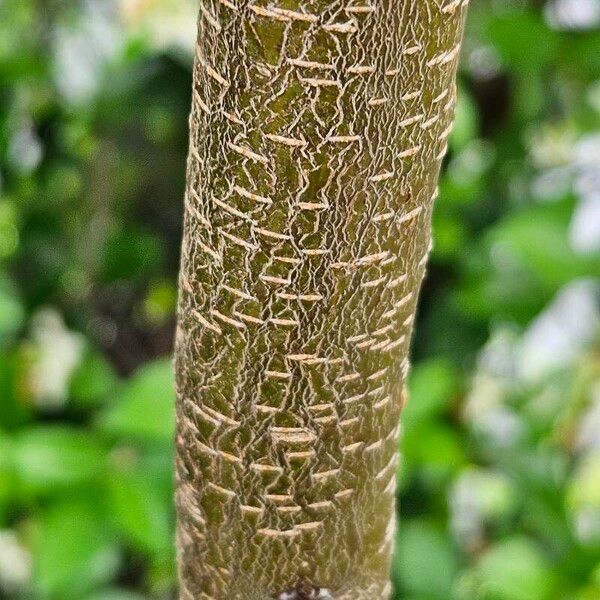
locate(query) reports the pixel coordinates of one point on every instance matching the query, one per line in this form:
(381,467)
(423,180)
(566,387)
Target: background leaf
(144,408)
(75,551)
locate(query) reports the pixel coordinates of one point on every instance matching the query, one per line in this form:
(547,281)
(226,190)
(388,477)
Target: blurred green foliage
(500,479)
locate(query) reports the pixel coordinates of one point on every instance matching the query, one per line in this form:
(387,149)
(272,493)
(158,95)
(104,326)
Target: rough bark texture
(317,131)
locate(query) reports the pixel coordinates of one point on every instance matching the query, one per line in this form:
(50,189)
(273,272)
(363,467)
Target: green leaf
(11,311)
(55,457)
(6,476)
(431,386)
(514,569)
(450,236)
(9,234)
(141,510)
(74,552)
(145,407)
(425,563)
(130,252)
(584,487)
(527,258)
(435,451)
(93,380)
(160,301)
(525,42)
(116,594)
(162,573)
(535,242)
(15,399)
(465,121)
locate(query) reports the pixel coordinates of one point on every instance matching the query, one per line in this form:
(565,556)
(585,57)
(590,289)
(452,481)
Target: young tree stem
(316,136)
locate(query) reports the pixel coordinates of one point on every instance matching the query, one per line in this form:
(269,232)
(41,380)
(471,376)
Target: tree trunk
(316,135)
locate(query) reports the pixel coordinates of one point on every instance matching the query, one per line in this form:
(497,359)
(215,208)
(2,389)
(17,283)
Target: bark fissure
(316,136)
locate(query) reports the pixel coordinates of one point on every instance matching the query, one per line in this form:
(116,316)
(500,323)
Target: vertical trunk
(317,131)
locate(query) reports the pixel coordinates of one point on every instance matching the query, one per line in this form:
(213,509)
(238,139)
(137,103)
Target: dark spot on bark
(306,591)
(303,590)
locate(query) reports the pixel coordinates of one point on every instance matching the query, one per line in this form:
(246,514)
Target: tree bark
(316,136)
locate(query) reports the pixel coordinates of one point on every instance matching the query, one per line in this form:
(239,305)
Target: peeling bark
(316,136)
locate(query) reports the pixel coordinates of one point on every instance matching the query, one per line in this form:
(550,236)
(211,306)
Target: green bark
(316,135)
